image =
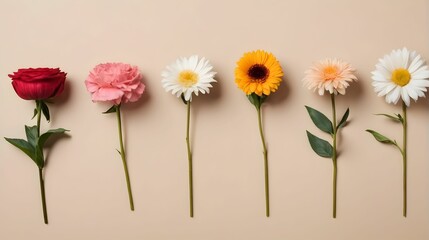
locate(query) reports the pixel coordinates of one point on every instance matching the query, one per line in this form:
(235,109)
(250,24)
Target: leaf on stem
(320,120)
(320,146)
(44,137)
(31,133)
(39,158)
(400,118)
(45,111)
(381,138)
(35,113)
(396,118)
(28,149)
(112,109)
(183,99)
(343,120)
(256,100)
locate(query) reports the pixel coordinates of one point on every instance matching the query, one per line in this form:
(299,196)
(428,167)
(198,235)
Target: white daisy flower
(401,74)
(187,76)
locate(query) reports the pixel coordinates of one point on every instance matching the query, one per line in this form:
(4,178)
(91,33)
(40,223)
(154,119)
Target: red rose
(38,83)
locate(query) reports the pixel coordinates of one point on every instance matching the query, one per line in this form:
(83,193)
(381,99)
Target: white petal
(170,88)
(385,64)
(411,92)
(405,96)
(176,90)
(404,58)
(379,78)
(201,90)
(379,86)
(206,69)
(200,65)
(421,73)
(395,59)
(420,82)
(394,95)
(388,88)
(193,61)
(195,91)
(415,64)
(381,72)
(421,93)
(188,95)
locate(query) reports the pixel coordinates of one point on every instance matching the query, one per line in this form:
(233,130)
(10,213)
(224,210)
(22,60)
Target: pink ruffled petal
(107,94)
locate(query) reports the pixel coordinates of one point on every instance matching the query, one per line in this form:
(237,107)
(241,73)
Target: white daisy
(187,76)
(401,74)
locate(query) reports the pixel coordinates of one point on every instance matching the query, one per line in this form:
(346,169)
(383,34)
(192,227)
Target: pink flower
(115,82)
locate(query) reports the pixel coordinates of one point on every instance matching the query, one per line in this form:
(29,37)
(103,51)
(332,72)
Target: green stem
(267,190)
(404,159)
(191,185)
(334,157)
(42,191)
(39,115)
(124,161)
(42,182)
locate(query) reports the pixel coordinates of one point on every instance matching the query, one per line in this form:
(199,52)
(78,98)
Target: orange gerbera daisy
(332,75)
(258,72)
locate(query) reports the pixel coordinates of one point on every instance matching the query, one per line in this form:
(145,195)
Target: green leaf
(45,111)
(112,109)
(256,100)
(23,145)
(183,99)
(35,113)
(31,133)
(343,120)
(39,158)
(320,146)
(33,139)
(400,118)
(27,148)
(397,118)
(44,137)
(320,120)
(381,138)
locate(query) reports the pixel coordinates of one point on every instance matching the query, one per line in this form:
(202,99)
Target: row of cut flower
(399,75)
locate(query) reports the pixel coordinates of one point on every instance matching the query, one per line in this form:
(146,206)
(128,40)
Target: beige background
(86,191)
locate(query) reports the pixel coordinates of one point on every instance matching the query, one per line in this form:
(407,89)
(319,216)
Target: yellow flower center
(330,73)
(187,78)
(401,76)
(258,73)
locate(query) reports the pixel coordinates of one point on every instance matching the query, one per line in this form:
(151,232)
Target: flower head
(38,83)
(258,72)
(115,82)
(401,74)
(187,76)
(331,75)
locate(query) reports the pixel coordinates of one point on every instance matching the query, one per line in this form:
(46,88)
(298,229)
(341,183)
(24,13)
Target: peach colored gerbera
(332,75)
